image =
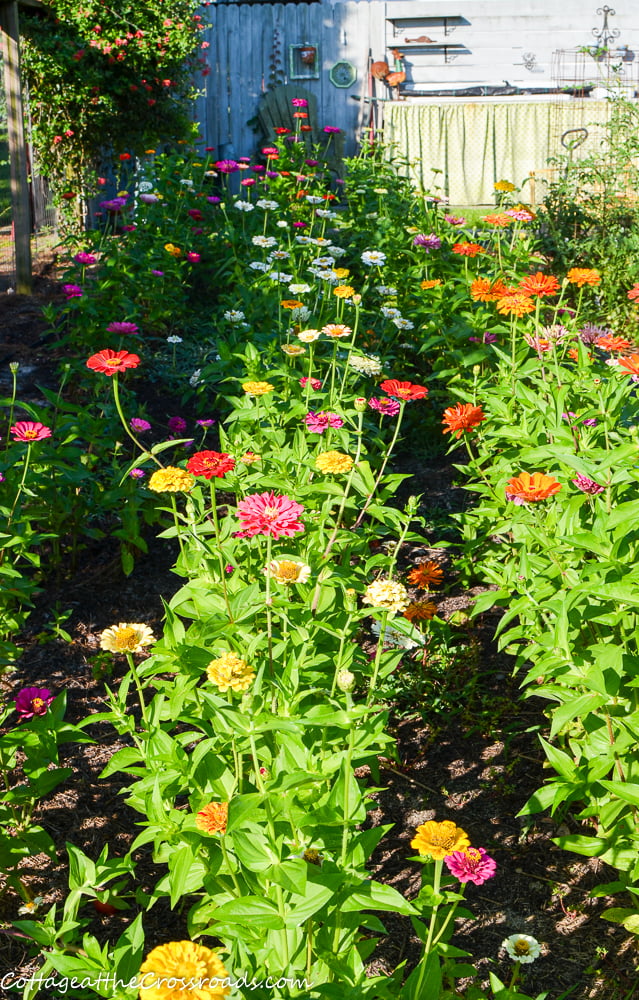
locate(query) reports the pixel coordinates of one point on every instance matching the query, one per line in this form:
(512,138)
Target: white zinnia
(522,948)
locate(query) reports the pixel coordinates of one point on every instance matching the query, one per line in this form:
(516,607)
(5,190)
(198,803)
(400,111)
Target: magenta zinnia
(471,865)
(33,701)
(269,514)
(122,327)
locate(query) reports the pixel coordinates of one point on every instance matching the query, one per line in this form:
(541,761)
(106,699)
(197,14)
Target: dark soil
(476,763)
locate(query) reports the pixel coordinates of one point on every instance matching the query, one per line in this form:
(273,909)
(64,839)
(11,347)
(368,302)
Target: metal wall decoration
(343,74)
(303,61)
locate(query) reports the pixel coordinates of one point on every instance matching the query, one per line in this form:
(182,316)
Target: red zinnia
(467,249)
(269,514)
(462,417)
(29,430)
(539,284)
(210,463)
(633,294)
(609,342)
(631,364)
(403,390)
(110,362)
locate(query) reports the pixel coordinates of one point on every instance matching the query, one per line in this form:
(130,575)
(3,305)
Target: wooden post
(9,38)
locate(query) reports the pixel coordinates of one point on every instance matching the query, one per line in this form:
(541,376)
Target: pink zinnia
(72,291)
(315,383)
(122,327)
(318,422)
(29,430)
(472,865)
(299,102)
(85,258)
(385,405)
(193,257)
(139,425)
(587,485)
(269,514)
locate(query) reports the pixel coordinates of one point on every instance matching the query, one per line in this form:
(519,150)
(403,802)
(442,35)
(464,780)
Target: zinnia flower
(316,383)
(213,817)
(501,220)
(426,574)
(110,362)
(336,330)
(126,638)
(75,292)
(168,970)
(440,840)
(581,276)
(288,570)
(384,404)
(630,364)
(633,294)
(333,461)
(431,283)
(139,425)
(467,249)
(515,304)
(210,464)
(462,417)
(171,480)
(317,423)
(387,594)
(403,390)
(612,343)
(344,291)
(471,865)
(587,485)
(505,186)
(257,388)
(485,290)
(269,514)
(419,611)
(230,671)
(122,328)
(538,285)
(30,430)
(522,948)
(524,488)
(427,242)
(33,701)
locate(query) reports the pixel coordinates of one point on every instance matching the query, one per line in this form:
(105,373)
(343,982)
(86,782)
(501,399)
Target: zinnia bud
(360,404)
(345,680)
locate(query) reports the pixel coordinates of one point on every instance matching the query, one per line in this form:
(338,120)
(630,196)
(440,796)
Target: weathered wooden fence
(249,48)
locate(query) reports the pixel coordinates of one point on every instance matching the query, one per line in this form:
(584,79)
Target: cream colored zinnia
(308,336)
(387,594)
(230,671)
(126,638)
(288,570)
(183,970)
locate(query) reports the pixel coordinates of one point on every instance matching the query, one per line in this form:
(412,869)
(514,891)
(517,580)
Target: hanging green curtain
(461,150)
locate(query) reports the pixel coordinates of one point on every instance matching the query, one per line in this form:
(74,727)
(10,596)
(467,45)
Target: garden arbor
(10,39)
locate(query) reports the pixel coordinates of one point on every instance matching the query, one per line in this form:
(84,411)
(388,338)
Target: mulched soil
(476,765)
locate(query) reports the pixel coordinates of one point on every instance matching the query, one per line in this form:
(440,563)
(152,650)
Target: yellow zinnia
(173,250)
(171,480)
(333,461)
(505,186)
(230,671)
(343,291)
(126,638)
(440,839)
(257,388)
(169,971)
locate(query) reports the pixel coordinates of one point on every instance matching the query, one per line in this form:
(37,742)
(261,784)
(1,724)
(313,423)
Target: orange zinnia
(515,304)
(419,611)
(467,249)
(462,417)
(525,488)
(291,304)
(427,574)
(433,283)
(213,817)
(631,364)
(502,220)
(581,276)
(485,290)
(633,294)
(573,354)
(611,343)
(539,284)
